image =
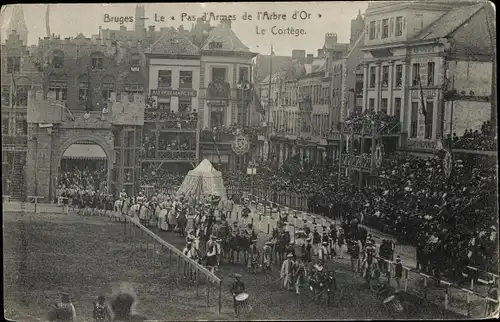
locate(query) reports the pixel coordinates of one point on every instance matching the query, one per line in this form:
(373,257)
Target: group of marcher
(451,220)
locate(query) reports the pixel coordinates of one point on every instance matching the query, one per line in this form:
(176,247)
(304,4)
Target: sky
(67,20)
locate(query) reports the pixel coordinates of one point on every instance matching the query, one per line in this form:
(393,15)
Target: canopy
(202,181)
(85,151)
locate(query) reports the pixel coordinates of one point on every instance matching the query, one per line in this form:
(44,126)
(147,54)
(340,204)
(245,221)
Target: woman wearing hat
(101,312)
(63,311)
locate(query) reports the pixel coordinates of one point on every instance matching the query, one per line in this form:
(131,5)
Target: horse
(182,223)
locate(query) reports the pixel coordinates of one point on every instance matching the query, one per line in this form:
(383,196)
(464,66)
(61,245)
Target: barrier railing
(453,297)
(169,257)
(417,282)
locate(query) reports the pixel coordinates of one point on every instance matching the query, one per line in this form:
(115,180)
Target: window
(391,32)
(164,104)
(378,29)
(218,74)
(372,77)
(215,45)
(384,106)
(385,28)
(84,87)
(13,64)
(397,107)
(216,118)
(108,86)
(414,118)
(97,63)
(165,78)
(5,96)
(428,119)
(372,104)
(243,74)
(430,74)
(21,98)
(399,26)
(185,105)
(132,89)
(372,30)
(135,60)
(186,79)
(58,86)
(58,59)
(415,74)
(385,76)
(399,75)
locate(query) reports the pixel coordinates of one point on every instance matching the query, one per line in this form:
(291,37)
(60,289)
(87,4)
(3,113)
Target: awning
(85,152)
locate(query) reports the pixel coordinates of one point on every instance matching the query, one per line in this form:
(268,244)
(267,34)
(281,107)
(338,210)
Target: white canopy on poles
(203,181)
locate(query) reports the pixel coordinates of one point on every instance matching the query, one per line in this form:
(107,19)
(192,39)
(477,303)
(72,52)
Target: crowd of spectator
(83,178)
(161,178)
(484,140)
(452,220)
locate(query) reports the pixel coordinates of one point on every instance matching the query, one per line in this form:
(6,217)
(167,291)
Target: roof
(172,42)
(85,151)
(360,40)
(224,34)
(288,71)
(263,63)
(473,37)
(448,23)
(204,169)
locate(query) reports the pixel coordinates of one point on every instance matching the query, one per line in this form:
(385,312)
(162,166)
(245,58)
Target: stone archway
(103,141)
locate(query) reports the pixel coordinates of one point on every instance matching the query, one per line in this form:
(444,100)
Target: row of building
(175,96)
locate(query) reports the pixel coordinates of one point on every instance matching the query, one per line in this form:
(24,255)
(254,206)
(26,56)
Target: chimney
(300,55)
(151,28)
(309,59)
(123,28)
(330,38)
(321,53)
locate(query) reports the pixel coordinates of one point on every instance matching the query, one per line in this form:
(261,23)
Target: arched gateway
(53,129)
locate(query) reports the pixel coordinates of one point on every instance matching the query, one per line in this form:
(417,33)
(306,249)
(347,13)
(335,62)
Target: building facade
(406,57)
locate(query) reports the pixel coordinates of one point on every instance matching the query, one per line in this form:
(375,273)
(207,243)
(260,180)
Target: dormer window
(215,45)
(97,61)
(13,65)
(58,59)
(135,61)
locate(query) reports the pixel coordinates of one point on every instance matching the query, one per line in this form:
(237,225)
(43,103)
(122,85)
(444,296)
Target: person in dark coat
(121,307)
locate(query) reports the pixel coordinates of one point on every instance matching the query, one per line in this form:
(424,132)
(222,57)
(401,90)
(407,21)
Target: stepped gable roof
(224,34)
(172,42)
(448,23)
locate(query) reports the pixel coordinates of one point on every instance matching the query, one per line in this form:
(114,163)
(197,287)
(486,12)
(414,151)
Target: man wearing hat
(323,253)
(63,311)
(266,255)
(333,238)
(325,239)
(212,253)
(316,240)
(308,250)
(287,272)
(398,272)
(101,311)
(300,274)
(253,262)
(237,288)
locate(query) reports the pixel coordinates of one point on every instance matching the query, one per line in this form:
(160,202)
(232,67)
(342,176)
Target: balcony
(81,120)
(208,136)
(368,127)
(362,162)
(178,155)
(218,90)
(14,141)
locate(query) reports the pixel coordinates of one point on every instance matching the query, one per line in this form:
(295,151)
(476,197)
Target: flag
(424,111)
(88,101)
